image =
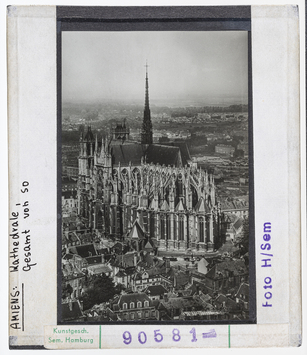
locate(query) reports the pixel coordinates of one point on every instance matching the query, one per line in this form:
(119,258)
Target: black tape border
(175,18)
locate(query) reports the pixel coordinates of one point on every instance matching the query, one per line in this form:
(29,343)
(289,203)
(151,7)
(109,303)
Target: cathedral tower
(146,137)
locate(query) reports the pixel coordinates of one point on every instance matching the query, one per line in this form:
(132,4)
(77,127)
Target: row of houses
(168,289)
(156,304)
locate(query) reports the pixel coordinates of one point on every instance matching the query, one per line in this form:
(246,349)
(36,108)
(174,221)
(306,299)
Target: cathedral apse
(158,187)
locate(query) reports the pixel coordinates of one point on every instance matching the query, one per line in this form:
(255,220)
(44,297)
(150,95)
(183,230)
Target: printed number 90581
(158,337)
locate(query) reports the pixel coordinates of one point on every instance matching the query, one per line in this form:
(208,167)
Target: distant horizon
(156,103)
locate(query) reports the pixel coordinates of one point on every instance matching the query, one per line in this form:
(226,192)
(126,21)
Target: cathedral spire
(146,89)
(147,125)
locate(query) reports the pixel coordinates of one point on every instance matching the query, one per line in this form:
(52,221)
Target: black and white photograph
(155,176)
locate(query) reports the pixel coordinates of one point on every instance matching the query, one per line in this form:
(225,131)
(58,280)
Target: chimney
(134,259)
(165,297)
(70,305)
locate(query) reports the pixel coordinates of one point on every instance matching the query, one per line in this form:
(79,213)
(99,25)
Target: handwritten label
(14,235)
(21,238)
(266,262)
(15,308)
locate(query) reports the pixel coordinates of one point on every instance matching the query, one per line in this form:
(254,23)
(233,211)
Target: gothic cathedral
(151,192)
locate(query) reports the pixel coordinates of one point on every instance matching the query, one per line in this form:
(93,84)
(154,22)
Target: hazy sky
(209,66)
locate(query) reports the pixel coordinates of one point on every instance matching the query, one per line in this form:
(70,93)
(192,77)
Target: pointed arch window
(152,224)
(145,220)
(181,227)
(175,227)
(114,217)
(167,227)
(179,185)
(201,233)
(162,226)
(194,196)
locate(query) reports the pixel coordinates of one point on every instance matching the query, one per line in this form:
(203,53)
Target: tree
(101,289)
(243,240)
